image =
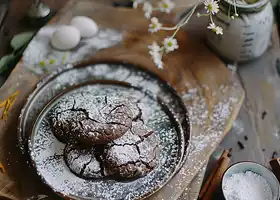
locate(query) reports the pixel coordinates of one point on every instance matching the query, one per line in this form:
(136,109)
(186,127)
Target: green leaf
(5,61)
(21,39)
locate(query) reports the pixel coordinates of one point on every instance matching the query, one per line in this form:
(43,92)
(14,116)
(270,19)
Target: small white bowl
(242,167)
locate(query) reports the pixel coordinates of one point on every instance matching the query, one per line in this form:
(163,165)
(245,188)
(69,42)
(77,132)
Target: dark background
(16,23)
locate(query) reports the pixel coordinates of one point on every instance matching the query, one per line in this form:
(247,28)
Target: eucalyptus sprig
(18,44)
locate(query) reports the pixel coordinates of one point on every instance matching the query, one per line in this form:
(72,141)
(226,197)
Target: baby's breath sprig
(170,44)
(156,53)
(212,8)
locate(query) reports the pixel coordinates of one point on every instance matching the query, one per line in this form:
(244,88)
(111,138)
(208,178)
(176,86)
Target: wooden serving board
(211,92)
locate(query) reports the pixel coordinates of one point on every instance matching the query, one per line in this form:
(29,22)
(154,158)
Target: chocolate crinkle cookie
(84,161)
(132,155)
(92,119)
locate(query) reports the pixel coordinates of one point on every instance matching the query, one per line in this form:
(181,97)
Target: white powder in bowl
(247,186)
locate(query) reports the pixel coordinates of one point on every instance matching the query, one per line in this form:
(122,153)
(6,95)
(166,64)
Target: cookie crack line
(154,155)
(142,137)
(123,144)
(86,114)
(76,157)
(116,107)
(74,104)
(67,151)
(138,150)
(135,163)
(143,162)
(127,163)
(99,159)
(85,165)
(115,123)
(139,116)
(128,117)
(81,124)
(146,164)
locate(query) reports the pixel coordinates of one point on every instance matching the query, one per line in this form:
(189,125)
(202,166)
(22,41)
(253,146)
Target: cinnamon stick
(216,182)
(275,166)
(2,169)
(212,175)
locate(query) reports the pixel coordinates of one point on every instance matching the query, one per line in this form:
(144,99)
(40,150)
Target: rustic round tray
(166,114)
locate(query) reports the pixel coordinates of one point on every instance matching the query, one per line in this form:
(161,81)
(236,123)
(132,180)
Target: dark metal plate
(164,112)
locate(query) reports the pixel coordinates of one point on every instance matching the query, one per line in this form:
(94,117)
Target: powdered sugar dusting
(40,57)
(82,161)
(203,140)
(121,156)
(209,124)
(44,146)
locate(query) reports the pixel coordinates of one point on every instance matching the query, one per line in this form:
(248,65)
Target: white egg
(65,38)
(86,26)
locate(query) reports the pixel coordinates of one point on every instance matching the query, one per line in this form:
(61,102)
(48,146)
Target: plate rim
(65,68)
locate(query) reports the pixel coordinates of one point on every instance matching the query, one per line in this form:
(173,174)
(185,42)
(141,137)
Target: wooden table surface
(255,134)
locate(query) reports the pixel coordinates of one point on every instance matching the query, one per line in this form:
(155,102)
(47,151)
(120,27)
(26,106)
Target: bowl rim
(251,162)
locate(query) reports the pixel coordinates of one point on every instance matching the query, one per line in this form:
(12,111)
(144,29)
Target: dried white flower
(154,48)
(158,62)
(148,9)
(216,29)
(211,6)
(234,16)
(170,44)
(166,5)
(211,26)
(155,25)
(156,54)
(137,2)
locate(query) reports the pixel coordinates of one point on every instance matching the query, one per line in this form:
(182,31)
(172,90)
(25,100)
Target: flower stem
(235,11)
(211,19)
(186,19)
(182,22)
(229,10)
(175,32)
(169,28)
(189,15)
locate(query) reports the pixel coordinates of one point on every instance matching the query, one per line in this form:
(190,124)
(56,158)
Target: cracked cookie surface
(134,154)
(84,161)
(92,119)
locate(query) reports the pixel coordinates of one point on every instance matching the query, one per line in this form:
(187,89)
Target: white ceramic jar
(245,37)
